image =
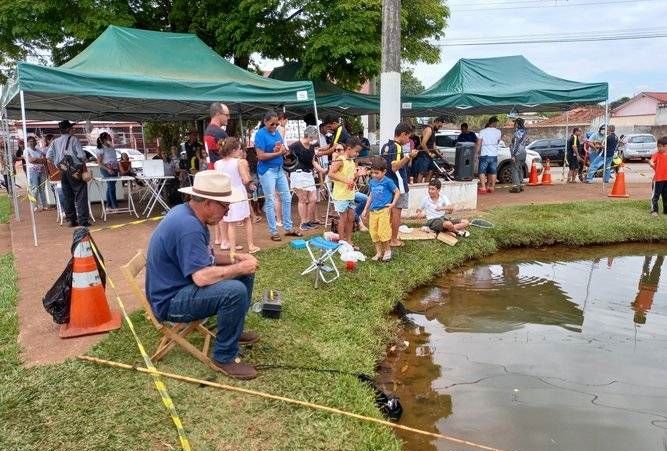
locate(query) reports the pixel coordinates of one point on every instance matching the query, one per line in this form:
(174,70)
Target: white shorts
(302,180)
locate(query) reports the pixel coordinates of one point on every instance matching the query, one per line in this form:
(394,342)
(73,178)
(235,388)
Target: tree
(333,39)
(618,102)
(410,85)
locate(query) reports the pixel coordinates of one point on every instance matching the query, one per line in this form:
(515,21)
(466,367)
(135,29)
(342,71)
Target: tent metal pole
(143,141)
(9,165)
(317,119)
(606,131)
(244,141)
(567,126)
(25,146)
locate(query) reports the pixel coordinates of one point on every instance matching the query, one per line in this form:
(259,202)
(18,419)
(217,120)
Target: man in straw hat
(187,280)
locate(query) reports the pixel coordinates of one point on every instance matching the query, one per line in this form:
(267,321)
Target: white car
(638,145)
(136,157)
(445,142)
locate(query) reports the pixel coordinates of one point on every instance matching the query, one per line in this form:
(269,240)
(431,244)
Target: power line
(522,5)
(559,38)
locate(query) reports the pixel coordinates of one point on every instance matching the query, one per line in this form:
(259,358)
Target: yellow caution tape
(159,385)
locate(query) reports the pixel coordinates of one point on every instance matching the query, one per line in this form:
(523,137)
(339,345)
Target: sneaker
(305,227)
(463,233)
(314,224)
(279,224)
(236,369)
(654,214)
(515,189)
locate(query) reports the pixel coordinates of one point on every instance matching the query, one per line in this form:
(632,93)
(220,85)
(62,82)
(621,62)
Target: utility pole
(390,79)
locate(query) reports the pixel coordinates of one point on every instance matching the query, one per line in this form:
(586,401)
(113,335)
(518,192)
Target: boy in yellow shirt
(343,173)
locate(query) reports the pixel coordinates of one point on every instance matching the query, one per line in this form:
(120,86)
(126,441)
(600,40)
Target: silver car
(445,142)
(638,146)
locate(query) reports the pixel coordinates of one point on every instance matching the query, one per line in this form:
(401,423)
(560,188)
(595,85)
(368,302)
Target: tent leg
(317,119)
(567,126)
(9,165)
(606,130)
(244,141)
(30,196)
(143,141)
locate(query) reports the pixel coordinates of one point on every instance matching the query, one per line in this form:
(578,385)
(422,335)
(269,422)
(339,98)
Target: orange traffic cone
(89,311)
(533,180)
(618,190)
(546,175)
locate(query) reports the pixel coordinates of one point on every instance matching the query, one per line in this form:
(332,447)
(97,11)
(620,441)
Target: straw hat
(216,186)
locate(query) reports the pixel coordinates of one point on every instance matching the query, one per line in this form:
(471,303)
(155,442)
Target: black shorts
(438,224)
(573,162)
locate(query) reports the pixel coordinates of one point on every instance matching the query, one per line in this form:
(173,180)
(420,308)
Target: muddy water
(552,349)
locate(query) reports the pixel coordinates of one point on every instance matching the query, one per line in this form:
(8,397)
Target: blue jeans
(274,179)
(597,164)
(359,199)
(111,188)
(228,299)
(37,181)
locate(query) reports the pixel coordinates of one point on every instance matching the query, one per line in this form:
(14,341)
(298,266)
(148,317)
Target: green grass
(77,405)
(5,209)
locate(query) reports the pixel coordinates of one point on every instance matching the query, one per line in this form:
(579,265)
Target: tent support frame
(25,146)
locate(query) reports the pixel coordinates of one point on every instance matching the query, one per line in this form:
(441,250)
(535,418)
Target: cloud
(627,65)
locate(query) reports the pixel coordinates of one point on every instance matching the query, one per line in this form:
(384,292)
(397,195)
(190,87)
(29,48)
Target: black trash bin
(464,161)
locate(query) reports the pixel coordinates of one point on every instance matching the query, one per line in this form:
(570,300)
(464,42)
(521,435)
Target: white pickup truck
(445,142)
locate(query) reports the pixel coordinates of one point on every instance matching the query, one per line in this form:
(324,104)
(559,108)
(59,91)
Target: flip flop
(238,248)
(276,238)
(293,232)
(253,250)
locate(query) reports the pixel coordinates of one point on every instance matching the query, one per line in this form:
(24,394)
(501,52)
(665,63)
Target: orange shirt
(660,161)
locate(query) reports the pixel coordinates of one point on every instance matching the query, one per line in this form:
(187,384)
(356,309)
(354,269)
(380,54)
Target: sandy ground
(39,266)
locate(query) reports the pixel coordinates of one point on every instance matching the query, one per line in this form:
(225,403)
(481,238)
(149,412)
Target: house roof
(659,96)
(575,116)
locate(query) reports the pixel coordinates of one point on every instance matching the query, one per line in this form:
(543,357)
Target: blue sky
(629,66)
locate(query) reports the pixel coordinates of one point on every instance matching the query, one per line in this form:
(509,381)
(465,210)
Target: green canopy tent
(331,98)
(138,75)
(501,85)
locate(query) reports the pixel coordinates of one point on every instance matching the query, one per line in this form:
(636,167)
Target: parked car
(445,141)
(549,149)
(638,146)
(136,157)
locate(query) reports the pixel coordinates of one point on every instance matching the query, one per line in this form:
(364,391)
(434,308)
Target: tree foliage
(410,85)
(618,102)
(334,39)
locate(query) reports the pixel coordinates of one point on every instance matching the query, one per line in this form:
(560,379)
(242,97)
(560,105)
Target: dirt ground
(38,267)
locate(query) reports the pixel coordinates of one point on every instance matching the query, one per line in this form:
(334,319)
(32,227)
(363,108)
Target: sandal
(276,237)
(257,219)
(238,247)
(254,250)
(294,232)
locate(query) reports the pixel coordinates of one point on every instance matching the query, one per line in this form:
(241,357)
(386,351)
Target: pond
(539,349)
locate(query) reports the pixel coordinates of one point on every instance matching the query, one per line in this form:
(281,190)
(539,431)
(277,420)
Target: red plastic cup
(350,265)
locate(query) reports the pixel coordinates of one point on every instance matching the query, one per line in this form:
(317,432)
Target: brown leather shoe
(236,369)
(248,337)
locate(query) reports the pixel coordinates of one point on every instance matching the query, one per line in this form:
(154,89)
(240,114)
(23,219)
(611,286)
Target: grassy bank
(79,406)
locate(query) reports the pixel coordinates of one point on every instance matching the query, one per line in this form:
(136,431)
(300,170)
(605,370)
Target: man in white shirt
(487,149)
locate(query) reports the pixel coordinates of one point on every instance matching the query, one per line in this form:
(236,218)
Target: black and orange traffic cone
(89,310)
(533,180)
(546,175)
(618,190)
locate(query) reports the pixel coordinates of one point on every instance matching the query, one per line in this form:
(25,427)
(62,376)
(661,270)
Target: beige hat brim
(237,195)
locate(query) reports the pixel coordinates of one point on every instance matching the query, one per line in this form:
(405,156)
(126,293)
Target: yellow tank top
(340,189)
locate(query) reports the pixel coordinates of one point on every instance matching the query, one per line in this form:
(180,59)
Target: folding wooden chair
(172,334)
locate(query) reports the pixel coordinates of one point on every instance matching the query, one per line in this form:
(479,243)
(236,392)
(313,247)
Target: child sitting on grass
(435,207)
(342,172)
(659,164)
(383,197)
